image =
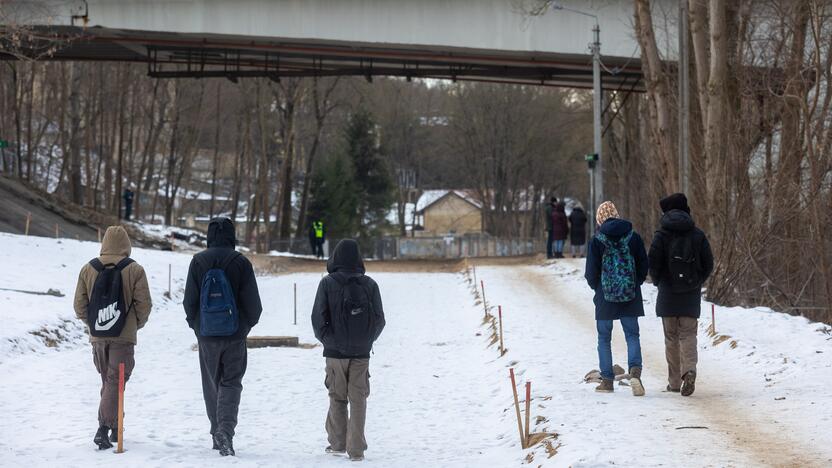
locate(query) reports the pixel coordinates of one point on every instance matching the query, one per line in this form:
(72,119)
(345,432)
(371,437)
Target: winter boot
(114,435)
(605,387)
(688,383)
(224,444)
(102,438)
(331,450)
(672,390)
(635,381)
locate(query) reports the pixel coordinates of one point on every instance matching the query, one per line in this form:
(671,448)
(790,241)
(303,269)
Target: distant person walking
(560,229)
(680,262)
(550,240)
(616,266)
(128,203)
(347,319)
(577,231)
(113,298)
(317,237)
(222,304)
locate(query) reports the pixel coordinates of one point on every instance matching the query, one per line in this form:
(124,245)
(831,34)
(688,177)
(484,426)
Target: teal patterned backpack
(618,269)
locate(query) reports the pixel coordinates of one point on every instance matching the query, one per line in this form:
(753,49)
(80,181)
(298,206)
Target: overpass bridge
(479,40)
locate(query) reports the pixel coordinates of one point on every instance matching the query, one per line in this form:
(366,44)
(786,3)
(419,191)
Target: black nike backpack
(107,310)
(357,321)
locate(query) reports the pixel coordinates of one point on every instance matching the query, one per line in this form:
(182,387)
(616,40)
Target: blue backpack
(218,314)
(618,269)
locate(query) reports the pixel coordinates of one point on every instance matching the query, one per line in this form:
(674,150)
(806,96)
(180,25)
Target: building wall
(452,214)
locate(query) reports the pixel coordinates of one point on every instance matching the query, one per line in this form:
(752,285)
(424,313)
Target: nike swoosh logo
(356,311)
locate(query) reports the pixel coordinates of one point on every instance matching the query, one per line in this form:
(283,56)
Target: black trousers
(319,248)
(223,365)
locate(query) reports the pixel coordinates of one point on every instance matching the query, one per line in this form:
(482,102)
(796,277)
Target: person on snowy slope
(113,298)
(680,262)
(560,229)
(616,266)
(347,319)
(222,304)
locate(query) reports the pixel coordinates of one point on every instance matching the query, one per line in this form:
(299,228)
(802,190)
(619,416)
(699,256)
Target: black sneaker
(688,383)
(102,438)
(672,390)
(333,451)
(224,444)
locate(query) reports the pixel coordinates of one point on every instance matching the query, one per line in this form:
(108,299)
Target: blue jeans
(630,325)
(559,245)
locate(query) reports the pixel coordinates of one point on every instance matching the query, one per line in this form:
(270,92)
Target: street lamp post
(597,172)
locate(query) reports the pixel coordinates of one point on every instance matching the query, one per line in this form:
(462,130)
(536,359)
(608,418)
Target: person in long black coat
(613,229)
(679,307)
(577,231)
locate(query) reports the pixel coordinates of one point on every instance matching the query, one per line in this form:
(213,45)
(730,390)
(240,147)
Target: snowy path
(753,419)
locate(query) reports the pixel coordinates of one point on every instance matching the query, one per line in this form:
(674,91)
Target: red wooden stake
(517,407)
(713,318)
(528,409)
(500,313)
(120,408)
(484,305)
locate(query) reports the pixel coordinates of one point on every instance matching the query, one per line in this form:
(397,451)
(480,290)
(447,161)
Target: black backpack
(683,263)
(355,327)
(107,310)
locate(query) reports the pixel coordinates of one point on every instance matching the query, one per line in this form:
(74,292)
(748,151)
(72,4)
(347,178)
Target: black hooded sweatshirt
(240,274)
(344,263)
(677,222)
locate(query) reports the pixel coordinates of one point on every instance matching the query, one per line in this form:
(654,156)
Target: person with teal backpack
(616,267)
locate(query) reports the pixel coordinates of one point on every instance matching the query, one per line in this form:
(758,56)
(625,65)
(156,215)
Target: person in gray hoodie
(347,319)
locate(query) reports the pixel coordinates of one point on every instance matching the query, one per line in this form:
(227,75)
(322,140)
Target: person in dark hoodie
(577,231)
(222,338)
(680,262)
(616,266)
(347,319)
(560,229)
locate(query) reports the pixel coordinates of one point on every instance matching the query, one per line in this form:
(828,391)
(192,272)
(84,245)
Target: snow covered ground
(440,394)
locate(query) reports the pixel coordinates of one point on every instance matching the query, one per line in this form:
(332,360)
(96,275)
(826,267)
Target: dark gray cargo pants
(348,380)
(223,365)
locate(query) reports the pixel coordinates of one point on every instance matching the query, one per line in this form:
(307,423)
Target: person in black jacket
(222,359)
(611,230)
(347,319)
(680,262)
(577,231)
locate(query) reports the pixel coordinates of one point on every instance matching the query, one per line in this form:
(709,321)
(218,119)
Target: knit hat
(605,211)
(677,201)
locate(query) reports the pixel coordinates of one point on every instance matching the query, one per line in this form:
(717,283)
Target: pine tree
(335,198)
(371,173)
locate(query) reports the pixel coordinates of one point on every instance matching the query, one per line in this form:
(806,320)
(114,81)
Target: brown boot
(635,381)
(688,383)
(605,387)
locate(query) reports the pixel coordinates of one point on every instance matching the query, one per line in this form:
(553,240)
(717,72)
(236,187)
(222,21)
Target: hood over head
(676,201)
(605,211)
(116,242)
(346,258)
(677,220)
(615,228)
(221,233)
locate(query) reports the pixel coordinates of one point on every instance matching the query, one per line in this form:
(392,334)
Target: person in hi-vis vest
(317,236)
